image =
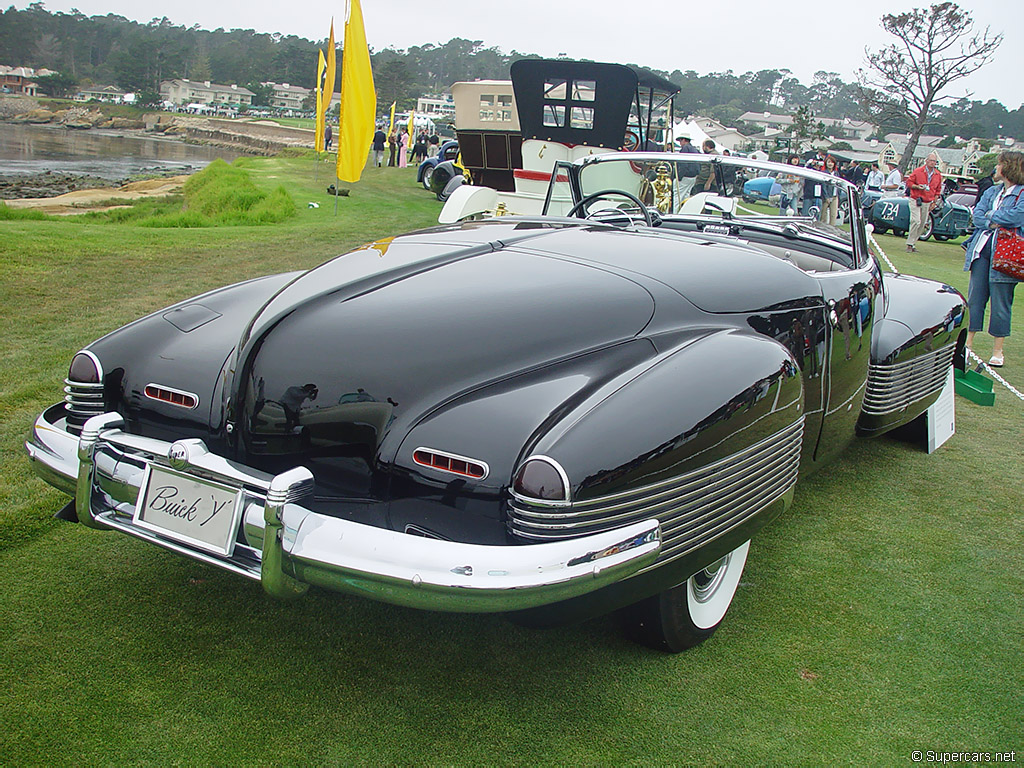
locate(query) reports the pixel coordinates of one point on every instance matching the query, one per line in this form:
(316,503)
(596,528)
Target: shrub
(20,214)
(226,195)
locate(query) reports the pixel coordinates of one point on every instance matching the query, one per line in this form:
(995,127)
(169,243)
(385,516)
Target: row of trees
(113,49)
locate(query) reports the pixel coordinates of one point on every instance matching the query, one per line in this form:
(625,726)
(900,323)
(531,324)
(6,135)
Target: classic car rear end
(547,417)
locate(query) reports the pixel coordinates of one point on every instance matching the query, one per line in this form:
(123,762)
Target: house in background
(924,140)
(286,96)
(781,127)
(768,121)
(182,92)
(722,135)
(438,108)
(106,93)
(952,161)
(21,79)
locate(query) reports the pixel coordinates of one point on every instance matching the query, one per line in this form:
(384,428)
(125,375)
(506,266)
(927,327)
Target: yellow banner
(358,99)
(391,125)
(329,75)
(412,129)
(320,66)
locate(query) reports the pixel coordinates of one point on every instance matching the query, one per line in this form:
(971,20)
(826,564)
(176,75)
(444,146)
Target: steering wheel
(586,201)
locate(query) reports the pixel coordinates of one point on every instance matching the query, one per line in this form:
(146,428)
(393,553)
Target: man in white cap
(687,171)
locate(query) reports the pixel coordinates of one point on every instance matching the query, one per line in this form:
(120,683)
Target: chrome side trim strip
(692,509)
(893,388)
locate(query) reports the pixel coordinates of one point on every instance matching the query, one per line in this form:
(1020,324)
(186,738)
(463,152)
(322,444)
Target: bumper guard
(288,547)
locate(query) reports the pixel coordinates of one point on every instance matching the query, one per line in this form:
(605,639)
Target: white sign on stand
(941,416)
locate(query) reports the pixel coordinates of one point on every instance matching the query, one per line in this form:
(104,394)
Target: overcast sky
(801,35)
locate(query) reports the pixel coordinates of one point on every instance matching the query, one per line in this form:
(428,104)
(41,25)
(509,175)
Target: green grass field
(882,613)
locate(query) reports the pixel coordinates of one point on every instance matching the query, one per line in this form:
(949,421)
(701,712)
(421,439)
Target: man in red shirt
(924,185)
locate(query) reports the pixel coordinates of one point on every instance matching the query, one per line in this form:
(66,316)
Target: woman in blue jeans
(1001,206)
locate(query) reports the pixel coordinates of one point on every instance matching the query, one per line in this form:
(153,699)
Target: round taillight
(85,368)
(541,478)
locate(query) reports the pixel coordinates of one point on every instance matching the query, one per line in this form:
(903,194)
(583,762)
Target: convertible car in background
(552,417)
(948,220)
(761,189)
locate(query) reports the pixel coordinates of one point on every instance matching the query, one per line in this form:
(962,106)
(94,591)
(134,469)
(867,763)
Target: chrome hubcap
(706,582)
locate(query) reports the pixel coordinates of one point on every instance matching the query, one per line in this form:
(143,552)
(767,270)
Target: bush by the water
(20,214)
(219,195)
(224,194)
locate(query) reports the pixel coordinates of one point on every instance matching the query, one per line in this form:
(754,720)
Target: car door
(850,300)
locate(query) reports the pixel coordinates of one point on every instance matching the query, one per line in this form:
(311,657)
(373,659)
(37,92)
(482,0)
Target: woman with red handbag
(1002,207)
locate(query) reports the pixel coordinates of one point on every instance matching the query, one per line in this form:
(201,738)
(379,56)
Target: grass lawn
(299,122)
(882,614)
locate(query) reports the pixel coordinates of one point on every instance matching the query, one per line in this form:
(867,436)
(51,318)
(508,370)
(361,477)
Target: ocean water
(28,149)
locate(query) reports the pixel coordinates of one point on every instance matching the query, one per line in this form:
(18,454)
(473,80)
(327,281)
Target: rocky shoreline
(241,136)
(250,137)
(49,184)
(53,184)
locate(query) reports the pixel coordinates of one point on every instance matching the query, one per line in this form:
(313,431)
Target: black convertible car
(551,417)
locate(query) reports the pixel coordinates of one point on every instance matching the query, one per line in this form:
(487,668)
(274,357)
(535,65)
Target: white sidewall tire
(708,612)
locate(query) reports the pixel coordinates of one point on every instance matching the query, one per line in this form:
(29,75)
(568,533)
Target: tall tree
(803,127)
(935,47)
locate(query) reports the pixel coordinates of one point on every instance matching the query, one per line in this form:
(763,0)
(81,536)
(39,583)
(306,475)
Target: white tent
(691,129)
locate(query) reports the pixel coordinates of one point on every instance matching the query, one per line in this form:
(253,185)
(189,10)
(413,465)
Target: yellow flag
(358,99)
(319,141)
(412,126)
(391,125)
(329,74)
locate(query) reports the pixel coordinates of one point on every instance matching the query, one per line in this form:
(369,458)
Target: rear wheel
(880,230)
(687,615)
(427,173)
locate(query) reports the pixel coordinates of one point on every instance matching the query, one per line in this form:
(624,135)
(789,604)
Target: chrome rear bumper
(287,546)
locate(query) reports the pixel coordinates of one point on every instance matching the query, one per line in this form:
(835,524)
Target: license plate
(194,511)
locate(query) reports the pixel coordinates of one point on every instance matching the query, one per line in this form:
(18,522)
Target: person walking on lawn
(925,186)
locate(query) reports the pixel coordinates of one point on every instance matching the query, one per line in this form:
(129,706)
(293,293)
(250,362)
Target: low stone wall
(256,138)
(12,106)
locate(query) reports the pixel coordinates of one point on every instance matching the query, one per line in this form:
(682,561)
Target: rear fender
(707,441)
(183,348)
(701,402)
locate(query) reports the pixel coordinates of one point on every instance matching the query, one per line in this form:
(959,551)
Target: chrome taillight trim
(545,503)
(95,361)
(83,400)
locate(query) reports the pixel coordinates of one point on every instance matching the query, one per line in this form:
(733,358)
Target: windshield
(709,190)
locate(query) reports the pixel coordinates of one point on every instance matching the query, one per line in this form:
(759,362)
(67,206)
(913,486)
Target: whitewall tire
(688,614)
